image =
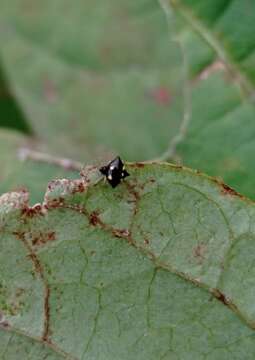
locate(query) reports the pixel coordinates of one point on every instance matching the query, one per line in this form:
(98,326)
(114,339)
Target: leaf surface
(159,268)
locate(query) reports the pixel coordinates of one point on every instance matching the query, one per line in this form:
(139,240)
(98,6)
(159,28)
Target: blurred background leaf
(97,76)
(18,174)
(98,79)
(218,41)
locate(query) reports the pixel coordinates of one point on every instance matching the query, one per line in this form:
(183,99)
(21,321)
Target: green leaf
(218,43)
(159,268)
(31,174)
(99,78)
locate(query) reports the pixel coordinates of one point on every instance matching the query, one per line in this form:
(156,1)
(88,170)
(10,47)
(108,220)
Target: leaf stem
(28,154)
(170,153)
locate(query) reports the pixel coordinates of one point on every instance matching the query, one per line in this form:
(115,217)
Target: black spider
(114,171)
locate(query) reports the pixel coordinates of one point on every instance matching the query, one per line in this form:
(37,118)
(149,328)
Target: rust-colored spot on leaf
(221,297)
(42,238)
(139,164)
(55,203)
(199,252)
(80,188)
(161,95)
(94,218)
(121,233)
(51,236)
(32,211)
(4,324)
(224,299)
(228,190)
(37,264)
(135,196)
(146,241)
(19,292)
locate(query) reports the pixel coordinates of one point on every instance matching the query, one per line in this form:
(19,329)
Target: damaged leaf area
(162,267)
